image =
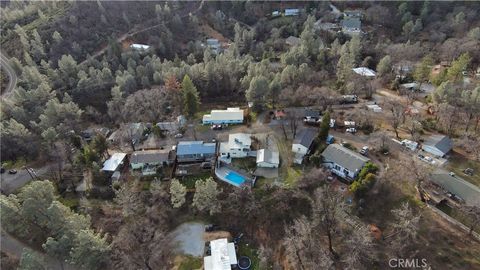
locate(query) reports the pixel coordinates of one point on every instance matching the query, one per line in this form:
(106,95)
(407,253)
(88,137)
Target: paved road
(11,182)
(10,72)
(15,248)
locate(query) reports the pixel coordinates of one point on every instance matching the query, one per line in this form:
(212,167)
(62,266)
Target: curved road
(4,61)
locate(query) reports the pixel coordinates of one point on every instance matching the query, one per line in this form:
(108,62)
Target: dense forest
(75,68)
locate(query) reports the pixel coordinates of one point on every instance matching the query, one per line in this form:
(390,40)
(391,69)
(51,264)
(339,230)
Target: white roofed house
(238,146)
(267,158)
(223,256)
(113,165)
(139,47)
(228,116)
(364,71)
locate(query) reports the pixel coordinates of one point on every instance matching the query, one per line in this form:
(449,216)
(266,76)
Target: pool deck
(222,171)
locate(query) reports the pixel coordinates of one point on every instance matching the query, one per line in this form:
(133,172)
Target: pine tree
(191,99)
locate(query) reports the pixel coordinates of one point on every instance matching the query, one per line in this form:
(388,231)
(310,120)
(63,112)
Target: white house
(364,71)
(228,116)
(343,161)
(238,146)
(140,47)
(438,145)
(302,143)
(267,159)
(114,162)
(223,256)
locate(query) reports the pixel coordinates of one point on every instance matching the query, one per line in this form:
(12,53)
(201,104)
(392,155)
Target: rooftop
(344,157)
(195,147)
(239,139)
(111,164)
(149,156)
(441,142)
(223,255)
(265,155)
(364,71)
(305,137)
(351,23)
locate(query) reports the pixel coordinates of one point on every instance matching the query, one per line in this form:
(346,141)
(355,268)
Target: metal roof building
(364,71)
(228,116)
(195,147)
(112,164)
(267,158)
(438,145)
(223,255)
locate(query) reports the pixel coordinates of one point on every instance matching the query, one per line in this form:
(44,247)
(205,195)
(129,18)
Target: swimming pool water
(235,178)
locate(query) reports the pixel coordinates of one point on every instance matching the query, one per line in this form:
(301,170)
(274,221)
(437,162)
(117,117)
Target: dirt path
(12,82)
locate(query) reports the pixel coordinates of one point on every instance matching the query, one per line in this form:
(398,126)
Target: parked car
(468,171)
(2,170)
(178,135)
(364,150)
(351,130)
(216,127)
(12,171)
(211,227)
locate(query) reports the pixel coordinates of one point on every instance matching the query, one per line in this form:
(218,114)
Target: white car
(364,150)
(351,130)
(179,135)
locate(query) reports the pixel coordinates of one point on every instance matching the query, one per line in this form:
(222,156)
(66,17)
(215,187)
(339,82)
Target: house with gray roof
(351,25)
(302,144)
(438,145)
(267,158)
(343,161)
(195,151)
(149,160)
(456,187)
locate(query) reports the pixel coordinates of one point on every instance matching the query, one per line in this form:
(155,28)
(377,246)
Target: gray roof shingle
(441,142)
(305,137)
(149,156)
(344,157)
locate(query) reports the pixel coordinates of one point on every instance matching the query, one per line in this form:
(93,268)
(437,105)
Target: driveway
(189,238)
(4,62)
(11,182)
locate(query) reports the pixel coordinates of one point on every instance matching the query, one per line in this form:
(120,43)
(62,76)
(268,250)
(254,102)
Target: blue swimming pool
(235,178)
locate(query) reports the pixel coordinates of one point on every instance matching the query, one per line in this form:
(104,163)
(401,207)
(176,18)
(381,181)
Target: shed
(114,162)
(267,158)
(364,71)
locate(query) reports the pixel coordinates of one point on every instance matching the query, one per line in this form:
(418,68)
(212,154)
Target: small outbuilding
(267,158)
(228,116)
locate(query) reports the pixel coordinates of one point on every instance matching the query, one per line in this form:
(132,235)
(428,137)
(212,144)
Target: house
(139,47)
(293,41)
(351,26)
(353,14)
(222,256)
(292,12)
(364,71)
(343,161)
(228,116)
(267,158)
(238,146)
(195,151)
(132,131)
(214,45)
(149,160)
(302,144)
(312,117)
(113,165)
(457,188)
(438,145)
(326,26)
(173,126)
(374,108)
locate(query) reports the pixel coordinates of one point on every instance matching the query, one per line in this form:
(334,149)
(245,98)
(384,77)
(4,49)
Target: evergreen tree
(191,99)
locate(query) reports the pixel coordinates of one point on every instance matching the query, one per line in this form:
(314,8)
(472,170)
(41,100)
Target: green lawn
(190,263)
(293,174)
(457,163)
(189,181)
(247,250)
